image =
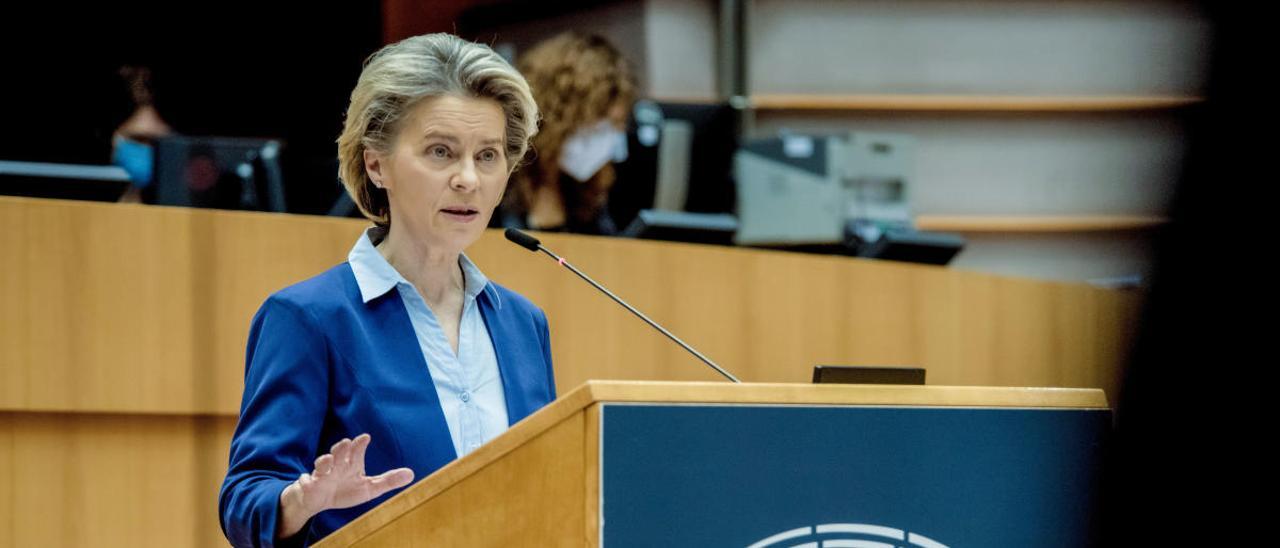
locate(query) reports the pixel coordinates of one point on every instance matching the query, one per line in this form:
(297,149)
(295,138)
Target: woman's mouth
(461,214)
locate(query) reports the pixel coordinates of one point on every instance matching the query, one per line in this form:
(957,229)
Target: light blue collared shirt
(468,383)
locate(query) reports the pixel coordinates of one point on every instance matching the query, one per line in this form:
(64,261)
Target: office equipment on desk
(675,151)
(102,183)
(844,193)
(676,183)
(910,245)
(680,226)
(218,172)
(860,374)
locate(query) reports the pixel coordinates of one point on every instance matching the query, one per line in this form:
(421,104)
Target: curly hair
(401,75)
(576,79)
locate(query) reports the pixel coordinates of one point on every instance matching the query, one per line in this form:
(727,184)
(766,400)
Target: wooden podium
(717,464)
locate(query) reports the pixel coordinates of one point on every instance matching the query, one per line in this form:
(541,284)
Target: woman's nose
(467,179)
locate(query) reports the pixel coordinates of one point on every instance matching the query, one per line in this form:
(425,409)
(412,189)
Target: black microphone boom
(523,240)
(532,244)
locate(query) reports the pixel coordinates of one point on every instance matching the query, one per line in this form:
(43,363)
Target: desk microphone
(532,244)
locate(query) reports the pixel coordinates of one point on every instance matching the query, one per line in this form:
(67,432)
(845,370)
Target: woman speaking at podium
(405,357)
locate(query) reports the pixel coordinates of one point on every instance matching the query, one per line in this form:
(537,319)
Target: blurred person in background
(584,88)
(133,141)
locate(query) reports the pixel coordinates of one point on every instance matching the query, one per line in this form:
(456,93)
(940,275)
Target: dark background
(236,68)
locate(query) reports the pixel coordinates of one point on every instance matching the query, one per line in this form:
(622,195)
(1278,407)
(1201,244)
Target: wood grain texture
(835,394)
(530,497)
(111,480)
(123,333)
(592,453)
(970,103)
(1038,223)
(521,434)
(119,308)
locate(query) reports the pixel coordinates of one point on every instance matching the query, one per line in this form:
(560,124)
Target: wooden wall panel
(123,330)
(111,480)
(129,308)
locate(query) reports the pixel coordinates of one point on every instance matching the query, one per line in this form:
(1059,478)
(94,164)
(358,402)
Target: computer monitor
(909,245)
(62,181)
(680,226)
(680,158)
(217,172)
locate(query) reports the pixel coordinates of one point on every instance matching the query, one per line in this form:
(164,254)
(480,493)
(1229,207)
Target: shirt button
(466,397)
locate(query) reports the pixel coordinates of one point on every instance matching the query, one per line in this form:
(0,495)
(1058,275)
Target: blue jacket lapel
(516,384)
(387,314)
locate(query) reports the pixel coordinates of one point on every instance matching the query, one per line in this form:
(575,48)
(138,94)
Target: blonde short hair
(400,75)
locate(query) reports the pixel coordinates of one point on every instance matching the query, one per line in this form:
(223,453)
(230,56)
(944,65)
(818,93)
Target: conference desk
(123,331)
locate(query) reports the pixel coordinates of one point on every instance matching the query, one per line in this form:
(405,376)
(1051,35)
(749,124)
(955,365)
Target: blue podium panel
(869,477)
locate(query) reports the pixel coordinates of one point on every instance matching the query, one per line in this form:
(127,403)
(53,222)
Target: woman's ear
(373,166)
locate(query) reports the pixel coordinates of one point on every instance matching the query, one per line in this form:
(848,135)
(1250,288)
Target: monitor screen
(217,172)
(680,154)
(62,181)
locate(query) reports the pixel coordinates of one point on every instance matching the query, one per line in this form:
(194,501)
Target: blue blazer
(323,365)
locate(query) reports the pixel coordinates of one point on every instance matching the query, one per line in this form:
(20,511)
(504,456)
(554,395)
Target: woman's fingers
(324,465)
(391,479)
(341,452)
(358,447)
(339,481)
(345,458)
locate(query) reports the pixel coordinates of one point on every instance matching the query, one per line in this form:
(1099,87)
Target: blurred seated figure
(132,145)
(584,88)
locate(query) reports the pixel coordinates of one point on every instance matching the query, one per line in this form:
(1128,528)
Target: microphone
(532,244)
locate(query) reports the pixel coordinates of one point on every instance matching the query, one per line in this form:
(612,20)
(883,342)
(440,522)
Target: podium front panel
(829,476)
